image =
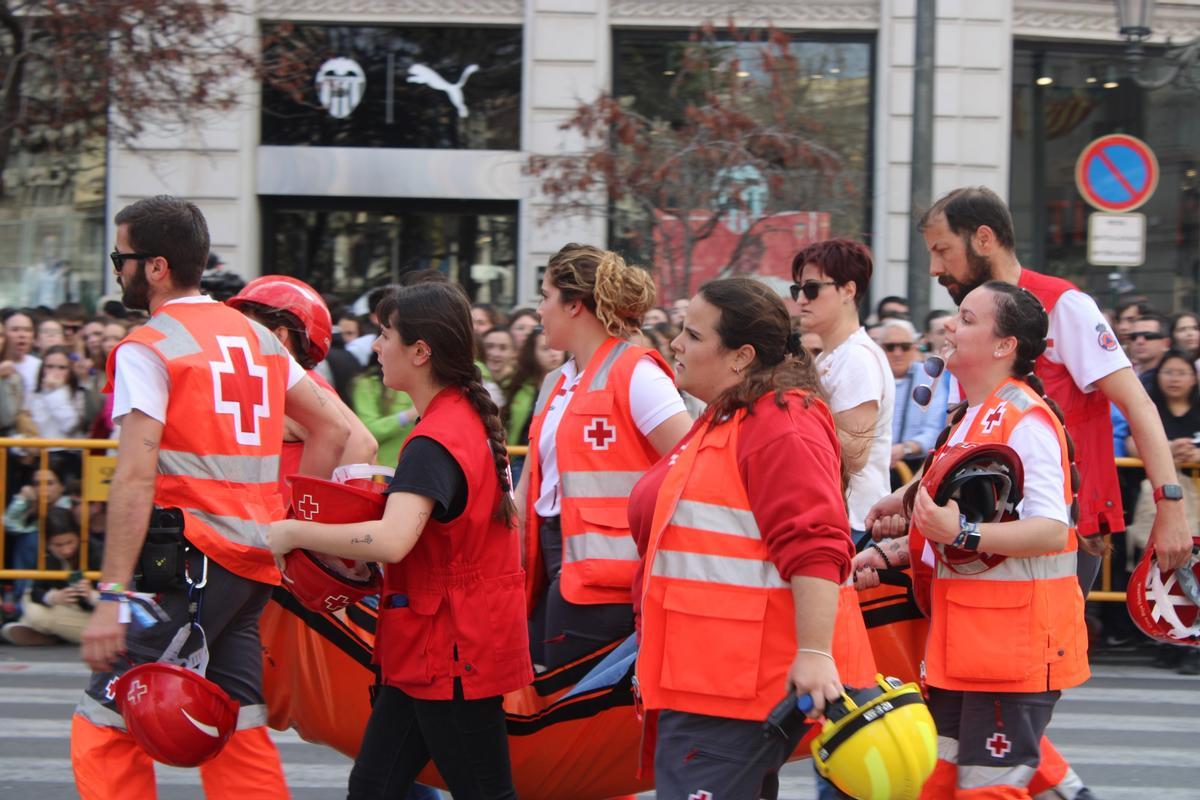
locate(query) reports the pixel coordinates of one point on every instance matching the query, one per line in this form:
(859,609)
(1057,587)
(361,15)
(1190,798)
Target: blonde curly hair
(617,293)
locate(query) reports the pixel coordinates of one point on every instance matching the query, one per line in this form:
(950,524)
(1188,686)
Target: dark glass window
(346,246)
(828,84)
(452,88)
(1064,97)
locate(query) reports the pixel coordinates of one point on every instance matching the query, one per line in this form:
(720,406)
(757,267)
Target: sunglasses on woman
(810,289)
(934,366)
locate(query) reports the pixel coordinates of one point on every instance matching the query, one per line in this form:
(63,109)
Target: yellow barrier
(98,470)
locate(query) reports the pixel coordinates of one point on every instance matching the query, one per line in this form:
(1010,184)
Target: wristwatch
(1168,491)
(968,534)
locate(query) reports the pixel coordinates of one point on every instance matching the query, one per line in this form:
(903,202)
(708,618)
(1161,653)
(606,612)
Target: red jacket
(455,606)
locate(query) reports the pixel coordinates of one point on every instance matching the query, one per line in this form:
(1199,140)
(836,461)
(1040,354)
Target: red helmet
(1166,610)
(986,480)
(328,583)
(296,297)
(178,716)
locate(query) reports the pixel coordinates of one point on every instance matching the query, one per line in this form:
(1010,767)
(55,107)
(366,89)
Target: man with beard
(201,392)
(969,234)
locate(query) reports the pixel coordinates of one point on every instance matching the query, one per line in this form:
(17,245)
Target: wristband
(886,561)
(111,587)
(814,651)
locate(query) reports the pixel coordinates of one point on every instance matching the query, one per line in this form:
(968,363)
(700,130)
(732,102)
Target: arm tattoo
(367,539)
(150,444)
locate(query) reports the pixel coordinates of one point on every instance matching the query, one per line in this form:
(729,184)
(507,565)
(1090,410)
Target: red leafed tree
(736,136)
(74,73)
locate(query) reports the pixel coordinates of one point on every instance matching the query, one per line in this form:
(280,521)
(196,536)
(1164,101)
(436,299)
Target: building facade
(401,156)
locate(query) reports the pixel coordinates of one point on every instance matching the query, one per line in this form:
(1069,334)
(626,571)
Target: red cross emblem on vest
(993,419)
(999,745)
(307,507)
(599,434)
(240,388)
(137,690)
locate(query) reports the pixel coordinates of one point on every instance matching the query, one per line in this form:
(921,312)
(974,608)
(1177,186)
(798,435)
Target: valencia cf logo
(1105,338)
(599,433)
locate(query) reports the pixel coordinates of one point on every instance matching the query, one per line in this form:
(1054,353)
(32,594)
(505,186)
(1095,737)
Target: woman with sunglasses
(738,588)
(1006,619)
(831,277)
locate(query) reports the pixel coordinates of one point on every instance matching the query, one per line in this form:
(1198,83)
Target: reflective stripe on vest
(726,570)
(600,379)
(599,484)
(583,546)
(235,529)
(1034,568)
(546,389)
(177,340)
(715,518)
(238,469)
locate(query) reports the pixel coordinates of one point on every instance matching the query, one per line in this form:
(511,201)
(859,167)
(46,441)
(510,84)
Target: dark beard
(136,295)
(979,272)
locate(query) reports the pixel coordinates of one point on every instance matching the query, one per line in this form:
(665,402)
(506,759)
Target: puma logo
(419,73)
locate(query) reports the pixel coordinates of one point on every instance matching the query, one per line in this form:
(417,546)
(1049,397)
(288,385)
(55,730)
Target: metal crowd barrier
(98,468)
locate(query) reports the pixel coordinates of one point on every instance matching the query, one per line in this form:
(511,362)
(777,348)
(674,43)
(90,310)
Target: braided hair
(439,314)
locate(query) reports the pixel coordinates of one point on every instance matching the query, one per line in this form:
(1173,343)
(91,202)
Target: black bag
(162,562)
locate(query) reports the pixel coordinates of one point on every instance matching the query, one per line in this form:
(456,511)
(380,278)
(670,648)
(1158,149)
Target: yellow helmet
(878,743)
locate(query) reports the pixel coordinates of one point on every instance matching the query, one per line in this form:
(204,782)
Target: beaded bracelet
(886,561)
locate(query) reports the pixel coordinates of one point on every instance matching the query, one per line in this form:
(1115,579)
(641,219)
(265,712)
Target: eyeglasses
(69,328)
(903,347)
(934,366)
(1148,336)
(119,259)
(810,289)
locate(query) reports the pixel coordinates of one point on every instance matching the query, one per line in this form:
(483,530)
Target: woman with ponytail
(451,636)
(745,541)
(1006,620)
(598,422)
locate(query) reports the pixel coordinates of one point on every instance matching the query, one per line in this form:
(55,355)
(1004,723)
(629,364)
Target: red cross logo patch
(110,689)
(137,690)
(334,602)
(993,419)
(599,434)
(308,508)
(999,745)
(700,795)
(240,388)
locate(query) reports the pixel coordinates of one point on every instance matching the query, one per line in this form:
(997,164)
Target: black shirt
(426,468)
(1183,427)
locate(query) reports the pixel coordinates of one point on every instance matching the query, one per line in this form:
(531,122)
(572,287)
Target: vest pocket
(712,640)
(604,553)
(409,640)
(507,623)
(989,628)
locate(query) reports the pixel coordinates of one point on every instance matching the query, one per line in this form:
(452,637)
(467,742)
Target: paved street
(1130,732)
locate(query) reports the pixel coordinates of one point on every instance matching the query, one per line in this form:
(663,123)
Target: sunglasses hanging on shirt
(934,367)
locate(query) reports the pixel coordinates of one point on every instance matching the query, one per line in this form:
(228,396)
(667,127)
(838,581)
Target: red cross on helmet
(285,293)
(326,583)
(986,480)
(178,716)
(1166,608)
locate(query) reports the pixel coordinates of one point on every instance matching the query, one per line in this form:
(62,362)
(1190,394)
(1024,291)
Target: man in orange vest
(200,392)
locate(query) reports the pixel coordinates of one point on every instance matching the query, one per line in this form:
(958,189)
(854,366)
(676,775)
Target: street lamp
(1181,61)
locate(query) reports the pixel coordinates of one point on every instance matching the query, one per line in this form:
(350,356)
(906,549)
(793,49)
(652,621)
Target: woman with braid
(599,422)
(1006,628)
(451,636)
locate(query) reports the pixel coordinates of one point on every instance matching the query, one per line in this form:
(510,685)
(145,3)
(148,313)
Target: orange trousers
(109,764)
(1053,772)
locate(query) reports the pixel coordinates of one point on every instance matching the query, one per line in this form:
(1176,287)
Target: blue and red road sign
(1116,172)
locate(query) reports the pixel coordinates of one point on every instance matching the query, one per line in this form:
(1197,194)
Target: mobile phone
(75,577)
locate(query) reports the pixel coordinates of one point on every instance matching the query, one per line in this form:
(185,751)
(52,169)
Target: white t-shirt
(28,368)
(1035,441)
(140,378)
(1080,339)
(853,373)
(653,399)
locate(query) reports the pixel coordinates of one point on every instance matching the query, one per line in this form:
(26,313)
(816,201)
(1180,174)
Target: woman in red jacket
(745,540)
(451,636)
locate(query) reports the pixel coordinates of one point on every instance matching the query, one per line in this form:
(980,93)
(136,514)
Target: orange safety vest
(601,455)
(218,460)
(1017,626)
(732,620)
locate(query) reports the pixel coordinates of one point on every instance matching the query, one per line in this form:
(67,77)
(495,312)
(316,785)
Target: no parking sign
(1116,173)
